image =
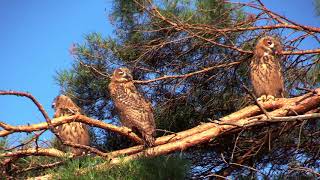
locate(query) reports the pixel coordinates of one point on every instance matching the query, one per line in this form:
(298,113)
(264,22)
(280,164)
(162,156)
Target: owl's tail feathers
(149,140)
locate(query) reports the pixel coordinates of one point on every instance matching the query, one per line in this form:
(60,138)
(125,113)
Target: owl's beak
(128,76)
(274,49)
(277,50)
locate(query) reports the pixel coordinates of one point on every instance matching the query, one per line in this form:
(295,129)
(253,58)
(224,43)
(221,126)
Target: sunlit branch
(9,129)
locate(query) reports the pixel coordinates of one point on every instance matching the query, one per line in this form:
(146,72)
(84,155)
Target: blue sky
(35,37)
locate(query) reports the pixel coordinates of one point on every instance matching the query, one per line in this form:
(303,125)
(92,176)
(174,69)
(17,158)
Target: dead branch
(41,109)
(8,129)
(45,166)
(189,74)
(309,170)
(283,23)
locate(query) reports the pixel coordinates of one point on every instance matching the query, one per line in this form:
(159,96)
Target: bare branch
(8,129)
(189,74)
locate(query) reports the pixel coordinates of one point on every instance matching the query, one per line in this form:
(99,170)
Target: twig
(216,175)
(46,166)
(295,118)
(307,89)
(306,170)
(256,101)
(236,164)
(94,69)
(187,75)
(36,136)
(300,131)
(235,145)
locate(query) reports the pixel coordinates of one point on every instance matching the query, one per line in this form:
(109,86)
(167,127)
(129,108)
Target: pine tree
(178,42)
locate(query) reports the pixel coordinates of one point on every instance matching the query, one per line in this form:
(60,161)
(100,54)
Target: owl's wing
(138,105)
(134,110)
(277,76)
(143,120)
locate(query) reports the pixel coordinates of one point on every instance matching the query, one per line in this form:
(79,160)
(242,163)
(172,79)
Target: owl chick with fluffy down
(74,132)
(134,111)
(265,70)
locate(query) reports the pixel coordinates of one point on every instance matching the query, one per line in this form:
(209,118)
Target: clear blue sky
(35,36)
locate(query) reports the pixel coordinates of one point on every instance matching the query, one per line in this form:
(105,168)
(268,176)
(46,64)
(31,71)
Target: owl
(134,111)
(265,70)
(75,132)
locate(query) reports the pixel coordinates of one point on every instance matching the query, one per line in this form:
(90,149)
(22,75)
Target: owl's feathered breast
(264,66)
(266,75)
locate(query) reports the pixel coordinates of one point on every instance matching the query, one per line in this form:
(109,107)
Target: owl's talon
(262,98)
(270,97)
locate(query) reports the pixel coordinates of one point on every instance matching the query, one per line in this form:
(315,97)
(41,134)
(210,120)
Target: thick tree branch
(249,116)
(286,107)
(35,151)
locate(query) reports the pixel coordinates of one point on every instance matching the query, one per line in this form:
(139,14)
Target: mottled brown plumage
(265,72)
(74,132)
(134,111)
